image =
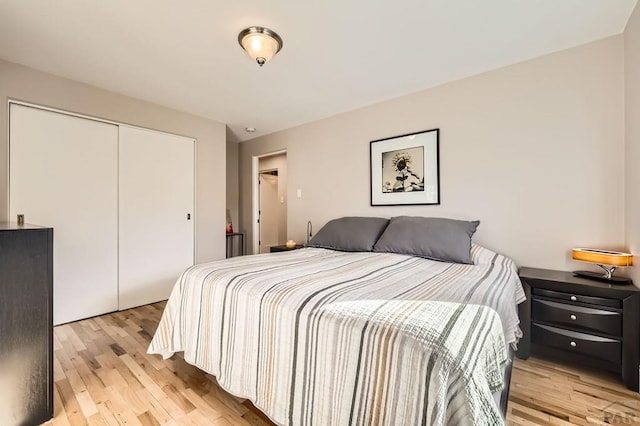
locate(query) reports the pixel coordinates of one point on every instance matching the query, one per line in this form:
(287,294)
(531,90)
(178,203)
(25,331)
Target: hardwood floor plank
(112,378)
(56,342)
(151,386)
(103,376)
(222,401)
(222,421)
(238,421)
(85,400)
(109,417)
(201,405)
(155,408)
(97,420)
(147,419)
(77,343)
(70,403)
(58,372)
(122,410)
(142,377)
(179,399)
(136,403)
(128,376)
(59,408)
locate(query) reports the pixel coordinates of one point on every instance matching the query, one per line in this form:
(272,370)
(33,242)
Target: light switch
(281,199)
(299,193)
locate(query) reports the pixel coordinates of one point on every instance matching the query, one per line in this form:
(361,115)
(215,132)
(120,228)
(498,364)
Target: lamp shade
(603,257)
(261,44)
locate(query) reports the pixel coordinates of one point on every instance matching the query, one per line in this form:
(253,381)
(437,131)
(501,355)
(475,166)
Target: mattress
(315,336)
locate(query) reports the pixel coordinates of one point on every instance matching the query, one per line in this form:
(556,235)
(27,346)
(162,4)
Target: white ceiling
(338,55)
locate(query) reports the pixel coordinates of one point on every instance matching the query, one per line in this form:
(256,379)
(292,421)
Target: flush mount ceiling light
(250,129)
(260,43)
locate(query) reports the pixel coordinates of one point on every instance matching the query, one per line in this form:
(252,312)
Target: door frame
(260,207)
(255,197)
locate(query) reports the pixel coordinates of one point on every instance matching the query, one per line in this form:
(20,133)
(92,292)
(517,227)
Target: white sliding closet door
(63,174)
(156,214)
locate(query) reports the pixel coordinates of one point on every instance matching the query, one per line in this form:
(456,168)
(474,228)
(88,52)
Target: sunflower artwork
(403,170)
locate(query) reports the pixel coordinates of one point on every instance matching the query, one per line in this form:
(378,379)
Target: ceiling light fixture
(260,43)
(250,129)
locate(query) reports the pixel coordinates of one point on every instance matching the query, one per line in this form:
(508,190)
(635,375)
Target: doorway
(269,213)
(270,201)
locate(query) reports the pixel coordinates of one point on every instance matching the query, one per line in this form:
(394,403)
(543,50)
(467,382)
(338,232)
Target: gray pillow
(430,237)
(350,233)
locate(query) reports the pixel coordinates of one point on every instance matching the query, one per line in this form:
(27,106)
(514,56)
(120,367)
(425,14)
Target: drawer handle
(573,344)
(573,317)
(573,298)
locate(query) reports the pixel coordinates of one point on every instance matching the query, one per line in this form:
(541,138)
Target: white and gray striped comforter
(319,337)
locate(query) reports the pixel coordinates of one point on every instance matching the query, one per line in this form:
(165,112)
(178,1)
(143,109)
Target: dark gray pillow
(430,237)
(350,233)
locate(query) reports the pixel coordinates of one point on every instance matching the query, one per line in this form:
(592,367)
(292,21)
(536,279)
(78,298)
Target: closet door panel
(63,174)
(156,235)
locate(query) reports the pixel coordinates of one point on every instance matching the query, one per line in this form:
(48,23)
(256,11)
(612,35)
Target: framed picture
(405,170)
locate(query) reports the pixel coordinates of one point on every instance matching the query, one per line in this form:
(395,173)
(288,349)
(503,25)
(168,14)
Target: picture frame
(405,169)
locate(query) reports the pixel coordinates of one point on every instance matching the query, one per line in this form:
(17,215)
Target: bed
(325,337)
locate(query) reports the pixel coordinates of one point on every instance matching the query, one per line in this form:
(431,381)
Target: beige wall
(533,150)
(279,162)
(632,138)
(233,184)
(25,84)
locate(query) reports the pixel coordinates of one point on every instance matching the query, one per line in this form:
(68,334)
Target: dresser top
(560,279)
(13,226)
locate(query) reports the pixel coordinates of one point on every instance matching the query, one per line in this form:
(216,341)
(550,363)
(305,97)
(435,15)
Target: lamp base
(602,277)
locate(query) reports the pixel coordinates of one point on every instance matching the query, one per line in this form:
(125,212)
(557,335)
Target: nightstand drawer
(612,303)
(585,344)
(588,319)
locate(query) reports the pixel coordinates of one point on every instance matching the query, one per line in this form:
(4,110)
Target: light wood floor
(103,376)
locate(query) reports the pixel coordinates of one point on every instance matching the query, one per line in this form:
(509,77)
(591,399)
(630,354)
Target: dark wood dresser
(581,321)
(26,324)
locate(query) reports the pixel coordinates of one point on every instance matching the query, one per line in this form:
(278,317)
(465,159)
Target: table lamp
(612,260)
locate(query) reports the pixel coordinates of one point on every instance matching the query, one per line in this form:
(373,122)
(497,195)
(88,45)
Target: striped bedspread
(320,337)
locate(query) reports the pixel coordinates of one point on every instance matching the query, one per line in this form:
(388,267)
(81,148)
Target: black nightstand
(576,320)
(274,249)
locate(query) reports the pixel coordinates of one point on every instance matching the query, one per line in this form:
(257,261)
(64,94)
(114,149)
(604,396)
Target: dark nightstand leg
(524,312)
(631,339)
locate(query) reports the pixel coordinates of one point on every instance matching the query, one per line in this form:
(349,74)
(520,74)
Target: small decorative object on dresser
(581,321)
(290,244)
(229,227)
(612,259)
